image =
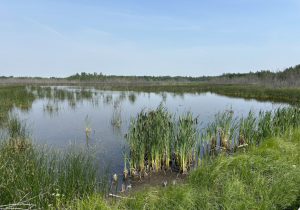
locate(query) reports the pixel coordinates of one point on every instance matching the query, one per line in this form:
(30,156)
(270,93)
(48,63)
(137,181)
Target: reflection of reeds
(51,107)
(72,104)
(116,119)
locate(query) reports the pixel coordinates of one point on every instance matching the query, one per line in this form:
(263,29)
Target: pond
(57,115)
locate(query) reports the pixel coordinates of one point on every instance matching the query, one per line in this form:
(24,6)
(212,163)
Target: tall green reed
(156,136)
(43,176)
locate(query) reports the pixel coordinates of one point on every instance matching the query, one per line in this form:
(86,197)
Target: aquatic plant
(87,121)
(116,114)
(247,129)
(124,152)
(185,136)
(156,136)
(30,172)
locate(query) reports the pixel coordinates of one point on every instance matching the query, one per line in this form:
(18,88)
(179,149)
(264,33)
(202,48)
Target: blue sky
(158,37)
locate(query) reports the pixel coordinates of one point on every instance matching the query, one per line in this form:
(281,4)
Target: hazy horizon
(156,38)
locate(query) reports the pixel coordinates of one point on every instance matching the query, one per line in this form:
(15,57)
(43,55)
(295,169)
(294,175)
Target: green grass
(42,176)
(154,135)
(264,177)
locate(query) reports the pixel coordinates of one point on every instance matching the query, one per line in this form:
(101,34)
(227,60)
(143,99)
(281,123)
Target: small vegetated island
(233,162)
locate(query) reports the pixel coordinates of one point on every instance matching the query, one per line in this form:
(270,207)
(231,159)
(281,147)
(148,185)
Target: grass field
(264,177)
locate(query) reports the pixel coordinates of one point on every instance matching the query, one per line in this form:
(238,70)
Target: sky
(59,38)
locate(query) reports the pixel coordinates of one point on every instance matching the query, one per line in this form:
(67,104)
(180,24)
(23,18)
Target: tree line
(289,77)
(101,77)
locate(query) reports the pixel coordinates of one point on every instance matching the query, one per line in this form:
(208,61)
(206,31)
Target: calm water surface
(59,120)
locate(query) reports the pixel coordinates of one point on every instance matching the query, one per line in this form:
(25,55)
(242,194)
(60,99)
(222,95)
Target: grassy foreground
(264,177)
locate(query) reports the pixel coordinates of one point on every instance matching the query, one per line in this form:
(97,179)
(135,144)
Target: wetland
(134,137)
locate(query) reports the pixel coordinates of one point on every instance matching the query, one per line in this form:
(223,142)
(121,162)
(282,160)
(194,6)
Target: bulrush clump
(159,140)
(155,135)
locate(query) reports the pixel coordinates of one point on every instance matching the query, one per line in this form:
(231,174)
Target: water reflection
(58,114)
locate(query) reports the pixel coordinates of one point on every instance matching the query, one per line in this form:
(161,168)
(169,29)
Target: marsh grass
(116,118)
(87,121)
(263,173)
(42,176)
(257,92)
(14,96)
(263,177)
(157,136)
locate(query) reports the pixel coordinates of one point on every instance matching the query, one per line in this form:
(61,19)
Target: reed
(124,152)
(185,136)
(116,118)
(87,121)
(157,136)
(247,128)
(42,176)
(211,137)
(226,127)
(266,176)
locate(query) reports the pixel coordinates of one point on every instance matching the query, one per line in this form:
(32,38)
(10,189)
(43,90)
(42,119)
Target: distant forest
(100,77)
(289,77)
